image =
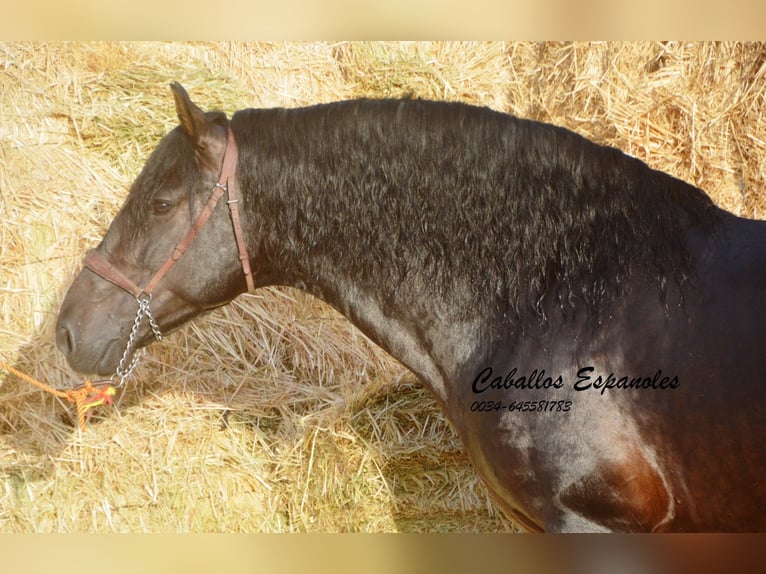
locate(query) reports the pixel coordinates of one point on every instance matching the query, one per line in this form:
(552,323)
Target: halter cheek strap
(229,182)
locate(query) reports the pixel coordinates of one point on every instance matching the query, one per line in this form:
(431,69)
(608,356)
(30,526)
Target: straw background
(274,413)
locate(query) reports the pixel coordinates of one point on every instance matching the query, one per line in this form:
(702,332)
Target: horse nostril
(64,340)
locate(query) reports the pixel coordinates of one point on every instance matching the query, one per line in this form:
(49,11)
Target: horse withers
(592,328)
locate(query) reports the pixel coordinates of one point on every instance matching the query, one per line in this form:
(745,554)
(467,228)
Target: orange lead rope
(85,396)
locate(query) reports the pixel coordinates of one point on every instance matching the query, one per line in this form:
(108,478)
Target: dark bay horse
(593,329)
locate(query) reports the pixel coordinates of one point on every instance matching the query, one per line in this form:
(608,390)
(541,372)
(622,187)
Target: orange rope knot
(85,397)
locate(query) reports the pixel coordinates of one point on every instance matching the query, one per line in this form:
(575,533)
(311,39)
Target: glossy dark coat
(478,249)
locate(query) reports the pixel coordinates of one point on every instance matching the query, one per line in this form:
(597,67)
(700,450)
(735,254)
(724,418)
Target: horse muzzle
(96,324)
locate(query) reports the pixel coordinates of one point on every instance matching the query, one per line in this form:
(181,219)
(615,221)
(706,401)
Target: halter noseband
(98,263)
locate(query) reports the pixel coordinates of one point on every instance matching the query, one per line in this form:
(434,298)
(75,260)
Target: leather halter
(227,182)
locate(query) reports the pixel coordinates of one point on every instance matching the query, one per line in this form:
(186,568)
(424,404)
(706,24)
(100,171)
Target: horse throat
(430,343)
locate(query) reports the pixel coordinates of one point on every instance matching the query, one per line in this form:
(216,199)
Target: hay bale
(274,413)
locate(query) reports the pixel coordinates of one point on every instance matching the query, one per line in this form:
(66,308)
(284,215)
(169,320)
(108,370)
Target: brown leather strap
(232,187)
(227,181)
(101,267)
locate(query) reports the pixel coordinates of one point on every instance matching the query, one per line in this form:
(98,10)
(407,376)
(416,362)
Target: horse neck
(423,333)
(318,239)
(407,262)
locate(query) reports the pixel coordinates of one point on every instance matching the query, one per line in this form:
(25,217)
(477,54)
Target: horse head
(168,255)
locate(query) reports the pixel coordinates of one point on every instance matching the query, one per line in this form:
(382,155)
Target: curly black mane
(444,197)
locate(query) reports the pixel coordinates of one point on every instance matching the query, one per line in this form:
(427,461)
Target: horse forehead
(169,162)
(172,178)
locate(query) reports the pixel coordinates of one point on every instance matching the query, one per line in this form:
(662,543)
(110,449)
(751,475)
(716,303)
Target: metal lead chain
(127,364)
(143,307)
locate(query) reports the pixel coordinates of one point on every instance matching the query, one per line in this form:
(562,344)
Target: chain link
(143,305)
(128,363)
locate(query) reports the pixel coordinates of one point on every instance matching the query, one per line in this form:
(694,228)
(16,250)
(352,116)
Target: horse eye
(161,206)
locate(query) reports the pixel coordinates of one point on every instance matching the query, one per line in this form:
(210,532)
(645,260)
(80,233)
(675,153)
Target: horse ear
(192,118)
(207,136)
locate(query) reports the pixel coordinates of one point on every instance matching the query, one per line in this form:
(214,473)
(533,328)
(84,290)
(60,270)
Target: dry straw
(274,413)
